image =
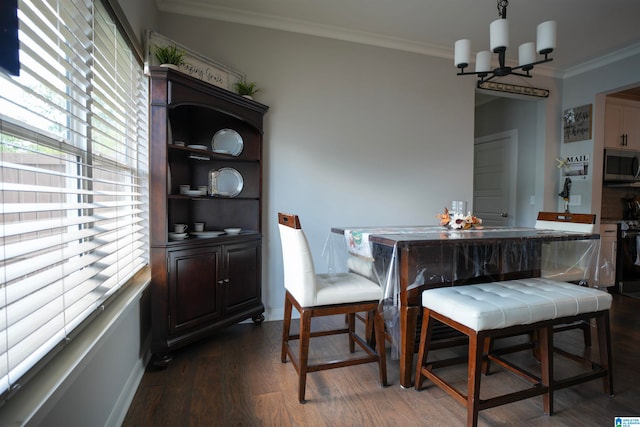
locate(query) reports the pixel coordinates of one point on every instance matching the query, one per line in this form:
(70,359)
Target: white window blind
(73,177)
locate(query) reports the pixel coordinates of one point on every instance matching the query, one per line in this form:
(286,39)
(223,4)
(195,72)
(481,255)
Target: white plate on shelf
(197,146)
(207,233)
(193,193)
(232,230)
(178,236)
(227,141)
(225,182)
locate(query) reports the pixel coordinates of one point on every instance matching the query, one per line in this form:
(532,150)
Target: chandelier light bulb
(546,37)
(499,35)
(462,53)
(483,61)
(526,53)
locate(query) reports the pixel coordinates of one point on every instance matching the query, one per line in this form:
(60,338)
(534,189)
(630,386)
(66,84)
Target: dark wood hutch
(203,282)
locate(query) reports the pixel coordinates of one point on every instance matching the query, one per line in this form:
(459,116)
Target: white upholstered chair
(316,295)
(568,261)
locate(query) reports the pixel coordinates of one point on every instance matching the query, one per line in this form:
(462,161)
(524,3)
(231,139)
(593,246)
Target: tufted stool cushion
(499,305)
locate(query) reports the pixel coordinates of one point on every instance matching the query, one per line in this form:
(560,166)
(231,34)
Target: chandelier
(499,42)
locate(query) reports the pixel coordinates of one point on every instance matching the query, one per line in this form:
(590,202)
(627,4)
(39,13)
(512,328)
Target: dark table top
(437,235)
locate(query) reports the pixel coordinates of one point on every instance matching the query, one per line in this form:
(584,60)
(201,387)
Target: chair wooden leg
(369,329)
(286,325)
(604,347)
(423,348)
(351,321)
(474,373)
(380,345)
(305,336)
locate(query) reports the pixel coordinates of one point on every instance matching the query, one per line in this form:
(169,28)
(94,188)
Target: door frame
(512,137)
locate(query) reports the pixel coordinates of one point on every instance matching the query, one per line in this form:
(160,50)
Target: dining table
(407,260)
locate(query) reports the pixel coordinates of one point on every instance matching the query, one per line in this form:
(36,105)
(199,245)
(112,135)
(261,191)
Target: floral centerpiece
(458,221)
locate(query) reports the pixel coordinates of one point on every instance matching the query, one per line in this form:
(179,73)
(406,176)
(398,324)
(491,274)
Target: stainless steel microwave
(621,166)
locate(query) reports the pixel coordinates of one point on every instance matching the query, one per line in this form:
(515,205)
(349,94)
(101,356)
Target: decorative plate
(227,141)
(207,233)
(197,146)
(178,236)
(225,182)
(192,193)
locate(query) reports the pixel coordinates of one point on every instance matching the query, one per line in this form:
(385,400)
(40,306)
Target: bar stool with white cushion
(487,311)
(316,295)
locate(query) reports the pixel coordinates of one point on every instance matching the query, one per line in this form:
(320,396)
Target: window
(73,177)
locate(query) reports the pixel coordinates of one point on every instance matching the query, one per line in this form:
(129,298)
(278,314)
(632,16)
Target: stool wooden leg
(305,336)
(586,333)
(476,344)
(487,349)
(604,347)
(545,340)
(423,349)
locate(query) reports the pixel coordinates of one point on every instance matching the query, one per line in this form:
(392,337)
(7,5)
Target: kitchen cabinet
(205,166)
(622,124)
(607,256)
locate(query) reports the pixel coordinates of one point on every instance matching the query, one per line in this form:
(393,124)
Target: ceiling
(590,32)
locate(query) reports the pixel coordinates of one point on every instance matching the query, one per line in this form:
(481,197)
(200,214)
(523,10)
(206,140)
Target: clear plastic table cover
(459,261)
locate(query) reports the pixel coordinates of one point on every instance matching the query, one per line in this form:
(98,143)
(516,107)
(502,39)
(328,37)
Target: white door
(494,174)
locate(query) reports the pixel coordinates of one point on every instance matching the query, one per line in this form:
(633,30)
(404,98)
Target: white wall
(355,135)
(141,14)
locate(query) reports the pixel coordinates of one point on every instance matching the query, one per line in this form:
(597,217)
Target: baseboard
(122,404)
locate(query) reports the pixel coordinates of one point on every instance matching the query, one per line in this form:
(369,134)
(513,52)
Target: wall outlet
(532,200)
(575,200)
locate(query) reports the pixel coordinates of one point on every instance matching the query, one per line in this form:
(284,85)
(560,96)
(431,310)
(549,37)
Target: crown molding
(603,60)
(198,9)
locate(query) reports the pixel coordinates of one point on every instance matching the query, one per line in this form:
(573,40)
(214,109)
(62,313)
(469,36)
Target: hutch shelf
(209,139)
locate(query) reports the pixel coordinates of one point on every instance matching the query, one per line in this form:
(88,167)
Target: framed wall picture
(195,64)
(577,123)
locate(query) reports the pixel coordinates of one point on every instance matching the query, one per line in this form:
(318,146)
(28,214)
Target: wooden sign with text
(195,64)
(577,123)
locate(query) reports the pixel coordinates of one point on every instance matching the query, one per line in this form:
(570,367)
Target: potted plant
(246,89)
(169,56)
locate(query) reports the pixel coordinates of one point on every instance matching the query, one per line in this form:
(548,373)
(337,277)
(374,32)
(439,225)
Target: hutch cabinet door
(242,282)
(194,276)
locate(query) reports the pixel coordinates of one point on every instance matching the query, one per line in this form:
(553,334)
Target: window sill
(32,397)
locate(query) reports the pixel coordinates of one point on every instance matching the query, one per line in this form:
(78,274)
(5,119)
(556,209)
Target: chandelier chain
(502,8)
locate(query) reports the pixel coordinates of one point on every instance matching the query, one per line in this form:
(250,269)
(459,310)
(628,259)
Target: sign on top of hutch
(195,65)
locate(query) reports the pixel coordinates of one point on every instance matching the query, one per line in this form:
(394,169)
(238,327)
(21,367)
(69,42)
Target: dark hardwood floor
(235,378)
